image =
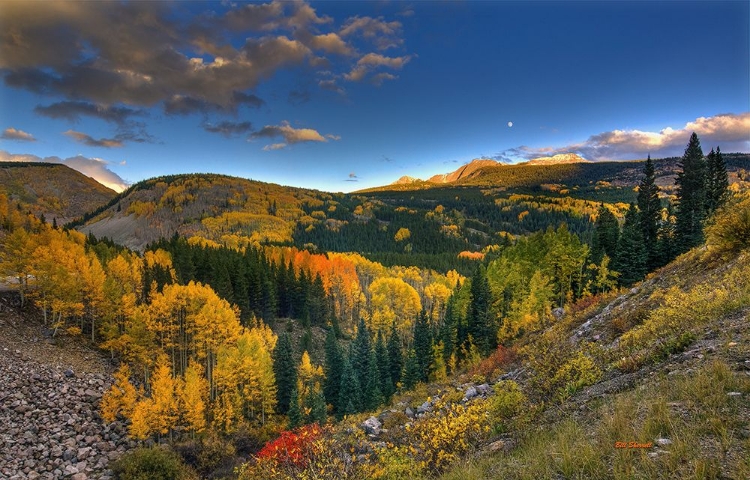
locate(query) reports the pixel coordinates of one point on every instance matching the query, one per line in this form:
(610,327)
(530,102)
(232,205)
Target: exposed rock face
(405,180)
(463,171)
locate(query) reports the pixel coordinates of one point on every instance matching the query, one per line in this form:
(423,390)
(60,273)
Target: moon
(510,124)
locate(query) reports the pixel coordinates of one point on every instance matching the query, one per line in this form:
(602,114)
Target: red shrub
(292,447)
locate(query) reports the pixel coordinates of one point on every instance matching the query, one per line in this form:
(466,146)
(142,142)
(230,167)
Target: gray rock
(409,412)
(372,426)
(470,393)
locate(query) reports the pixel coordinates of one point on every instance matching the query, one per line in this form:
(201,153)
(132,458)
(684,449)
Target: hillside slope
(53,190)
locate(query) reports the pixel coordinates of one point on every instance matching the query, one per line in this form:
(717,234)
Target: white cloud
(290,135)
(14,134)
(729,131)
(95,168)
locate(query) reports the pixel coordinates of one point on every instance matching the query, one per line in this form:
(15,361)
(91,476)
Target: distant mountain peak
(405,180)
(556,159)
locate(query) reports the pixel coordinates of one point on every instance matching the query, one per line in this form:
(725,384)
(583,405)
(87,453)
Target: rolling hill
(53,190)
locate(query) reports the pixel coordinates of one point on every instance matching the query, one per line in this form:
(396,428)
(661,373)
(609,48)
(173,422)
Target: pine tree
(606,235)
(294,413)
(372,395)
(316,404)
(649,208)
(717,181)
(395,356)
(478,318)
(349,391)
(285,371)
(691,196)
(384,367)
(360,359)
(631,253)
(448,334)
(334,368)
(412,372)
(423,345)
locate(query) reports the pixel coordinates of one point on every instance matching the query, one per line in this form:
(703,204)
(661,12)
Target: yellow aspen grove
(121,397)
(141,421)
(393,299)
(192,393)
(163,398)
(16,250)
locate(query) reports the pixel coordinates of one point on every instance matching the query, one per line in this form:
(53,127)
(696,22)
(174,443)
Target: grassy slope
(693,394)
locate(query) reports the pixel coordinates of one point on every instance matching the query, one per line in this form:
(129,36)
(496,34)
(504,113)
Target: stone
(409,412)
(372,426)
(663,442)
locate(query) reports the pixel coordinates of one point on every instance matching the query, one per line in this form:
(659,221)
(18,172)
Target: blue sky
(345,95)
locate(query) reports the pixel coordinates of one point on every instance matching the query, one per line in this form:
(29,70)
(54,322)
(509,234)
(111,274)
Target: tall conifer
(649,208)
(691,196)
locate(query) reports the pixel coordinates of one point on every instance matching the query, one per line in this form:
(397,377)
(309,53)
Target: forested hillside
(262,327)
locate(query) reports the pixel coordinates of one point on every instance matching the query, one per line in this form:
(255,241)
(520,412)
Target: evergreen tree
(691,196)
(294,413)
(666,245)
(360,358)
(372,395)
(717,180)
(649,208)
(384,367)
(334,369)
(396,358)
(606,235)
(349,391)
(631,253)
(412,372)
(478,319)
(285,371)
(448,330)
(315,403)
(423,345)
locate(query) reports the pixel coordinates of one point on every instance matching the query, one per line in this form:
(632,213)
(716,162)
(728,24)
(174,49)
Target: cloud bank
(729,131)
(95,168)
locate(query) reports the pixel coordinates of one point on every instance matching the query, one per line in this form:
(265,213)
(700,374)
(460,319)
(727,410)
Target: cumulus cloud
(290,135)
(372,61)
(92,142)
(352,178)
(381,33)
(14,134)
(73,110)
(96,168)
(228,128)
(729,131)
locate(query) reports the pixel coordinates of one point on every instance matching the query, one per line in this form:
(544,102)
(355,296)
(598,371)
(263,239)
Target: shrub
(729,229)
(154,463)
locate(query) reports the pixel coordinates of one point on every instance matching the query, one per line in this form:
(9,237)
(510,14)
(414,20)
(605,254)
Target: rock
(69,373)
(79,476)
(558,313)
(470,393)
(424,408)
(734,394)
(663,442)
(372,426)
(483,389)
(409,412)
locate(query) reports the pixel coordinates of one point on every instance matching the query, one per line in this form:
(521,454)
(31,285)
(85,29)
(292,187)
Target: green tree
(395,356)
(412,372)
(478,319)
(372,395)
(717,181)
(631,253)
(349,391)
(606,235)
(384,367)
(691,196)
(360,359)
(423,345)
(285,371)
(649,208)
(334,361)
(294,413)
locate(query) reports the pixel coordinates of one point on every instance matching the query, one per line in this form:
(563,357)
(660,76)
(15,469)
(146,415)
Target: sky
(340,96)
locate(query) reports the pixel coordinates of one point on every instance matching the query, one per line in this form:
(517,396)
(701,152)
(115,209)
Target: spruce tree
(423,345)
(395,356)
(360,356)
(717,180)
(349,391)
(691,196)
(448,330)
(334,368)
(630,260)
(478,319)
(649,208)
(372,395)
(606,235)
(316,405)
(384,367)
(412,372)
(294,413)
(285,371)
